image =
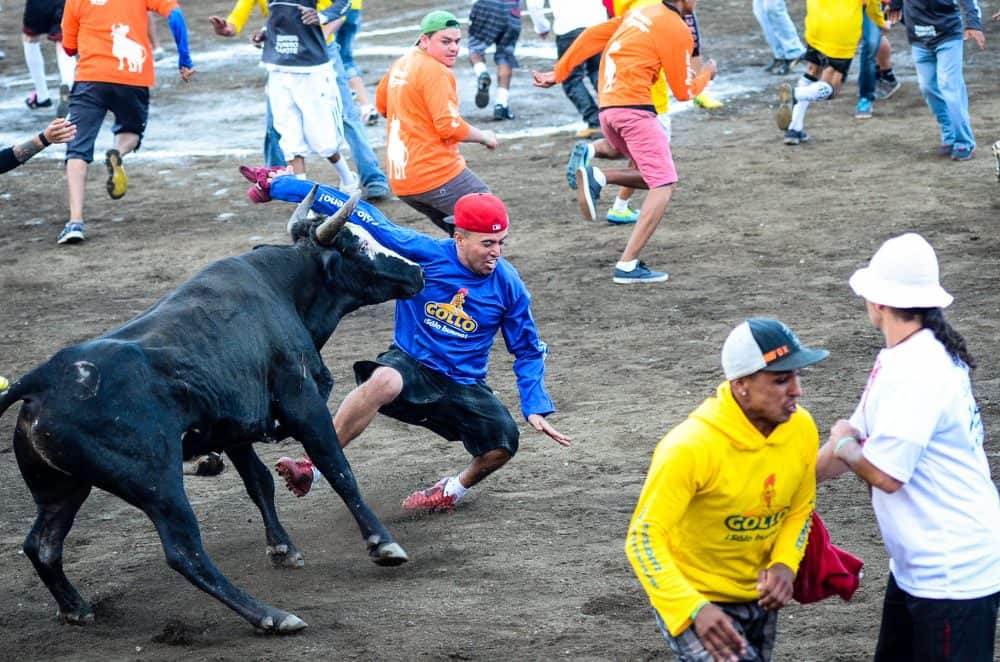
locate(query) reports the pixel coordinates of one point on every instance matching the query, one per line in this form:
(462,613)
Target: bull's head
(353,259)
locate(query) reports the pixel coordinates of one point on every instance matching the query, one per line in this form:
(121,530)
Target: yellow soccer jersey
(833,27)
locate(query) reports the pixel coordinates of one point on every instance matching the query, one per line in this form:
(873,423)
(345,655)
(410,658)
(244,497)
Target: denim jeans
(345,39)
(871,37)
(575,86)
(779,31)
(273,156)
(939,72)
(354,129)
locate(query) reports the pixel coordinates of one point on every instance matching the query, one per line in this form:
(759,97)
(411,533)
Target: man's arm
(536,9)
(70,29)
(674,50)
(59,130)
(238,17)
(590,42)
(178,28)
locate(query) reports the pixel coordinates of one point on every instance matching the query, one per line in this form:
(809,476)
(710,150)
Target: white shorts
(307,112)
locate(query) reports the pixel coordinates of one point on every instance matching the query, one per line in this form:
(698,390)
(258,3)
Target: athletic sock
(798,116)
(806,79)
(620,204)
(67,66)
(503,96)
(36,69)
(627,265)
(479,68)
(345,173)
(817,91)
(453,487)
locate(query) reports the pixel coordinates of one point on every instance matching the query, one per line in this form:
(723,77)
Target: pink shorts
(639,135)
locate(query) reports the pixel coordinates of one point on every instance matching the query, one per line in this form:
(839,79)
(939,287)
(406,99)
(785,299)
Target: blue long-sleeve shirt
(450,326)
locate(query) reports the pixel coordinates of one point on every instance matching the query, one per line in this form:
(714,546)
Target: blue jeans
(871,38)
(779,31)
(345,39)
(354,129)
(574,86)
(273,156)
(939,72)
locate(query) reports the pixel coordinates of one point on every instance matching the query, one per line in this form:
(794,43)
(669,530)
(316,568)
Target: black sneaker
(483,90)
(63,108)
(588,192)
(502,113)
(33,102)
(793,137)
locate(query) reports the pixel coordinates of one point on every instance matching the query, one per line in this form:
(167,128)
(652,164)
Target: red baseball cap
(481,212)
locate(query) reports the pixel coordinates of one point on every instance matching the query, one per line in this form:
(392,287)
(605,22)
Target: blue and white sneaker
(72,233)
(641,274)
(580,157)
(622,217)
(588,192)
(863,110)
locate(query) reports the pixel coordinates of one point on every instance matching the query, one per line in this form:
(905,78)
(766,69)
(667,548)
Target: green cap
(437,20)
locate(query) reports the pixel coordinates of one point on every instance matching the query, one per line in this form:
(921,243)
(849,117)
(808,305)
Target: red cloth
(825,569)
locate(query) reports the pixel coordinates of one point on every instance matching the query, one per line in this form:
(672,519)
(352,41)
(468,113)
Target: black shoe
(774,63)
(483,90)
(502,113)
(63,108)
(793,137)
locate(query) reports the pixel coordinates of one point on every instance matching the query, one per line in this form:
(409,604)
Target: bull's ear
(301,214)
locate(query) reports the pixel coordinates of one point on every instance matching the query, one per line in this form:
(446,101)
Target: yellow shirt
(721,502)
(833,27)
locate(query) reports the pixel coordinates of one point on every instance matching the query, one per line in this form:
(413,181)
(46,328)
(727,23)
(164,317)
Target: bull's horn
(327,232)
(301,213)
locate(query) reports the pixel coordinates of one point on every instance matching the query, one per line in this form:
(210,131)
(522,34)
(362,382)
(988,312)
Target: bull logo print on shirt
(395,151)
(128,52)
(451,317)
(610,68)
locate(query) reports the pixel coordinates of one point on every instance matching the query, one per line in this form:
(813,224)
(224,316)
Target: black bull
(230,357)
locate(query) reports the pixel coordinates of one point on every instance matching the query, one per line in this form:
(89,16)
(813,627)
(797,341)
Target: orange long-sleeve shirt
(112,40)
(636,47)
(419,99)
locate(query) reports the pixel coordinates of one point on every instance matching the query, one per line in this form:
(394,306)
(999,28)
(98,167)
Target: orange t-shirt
(636,47)
(419,99)
(112,39)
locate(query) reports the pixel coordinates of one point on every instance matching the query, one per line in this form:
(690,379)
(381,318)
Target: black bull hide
(230,357)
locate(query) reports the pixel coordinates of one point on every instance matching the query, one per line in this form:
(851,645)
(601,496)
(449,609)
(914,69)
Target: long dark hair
(933,319)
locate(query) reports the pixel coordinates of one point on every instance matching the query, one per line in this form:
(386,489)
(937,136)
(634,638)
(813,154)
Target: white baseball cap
(765,344)
(903,273)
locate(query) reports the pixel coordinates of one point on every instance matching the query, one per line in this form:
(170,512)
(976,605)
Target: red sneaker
(298,474)
(432,499)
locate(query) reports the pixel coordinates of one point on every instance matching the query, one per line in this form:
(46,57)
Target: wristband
(694,614)
(836,448)
(45,142)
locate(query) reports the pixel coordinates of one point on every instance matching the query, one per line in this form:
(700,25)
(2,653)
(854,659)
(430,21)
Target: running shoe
(624,217)
(501,112)
(707,101)
(886,88)
(641,274)
(581,156)
(483,90)
(588,192)
(863,110)
(117,183)
(432,499)
(33,102)
(793,137)
(63,108)
(72,233)
(962,153)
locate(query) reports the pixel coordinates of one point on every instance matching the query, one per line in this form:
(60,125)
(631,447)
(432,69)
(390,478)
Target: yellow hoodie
(721,502)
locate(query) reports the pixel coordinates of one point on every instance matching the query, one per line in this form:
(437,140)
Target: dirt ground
(531,566)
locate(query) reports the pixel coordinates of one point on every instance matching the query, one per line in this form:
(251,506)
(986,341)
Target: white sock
(454,487)
(301,175)
(599,177)
(36,68)
(628,265)
(503,96)
(67,66)
(479,68)
(342,170)
(620,204)
(817,91)
(798,115)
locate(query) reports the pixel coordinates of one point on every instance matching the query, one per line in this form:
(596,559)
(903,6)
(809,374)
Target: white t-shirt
(567,15)
(922,425)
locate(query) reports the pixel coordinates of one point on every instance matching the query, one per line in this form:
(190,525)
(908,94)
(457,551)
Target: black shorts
(822,61)
(89,102)
(469,413)
(43,17)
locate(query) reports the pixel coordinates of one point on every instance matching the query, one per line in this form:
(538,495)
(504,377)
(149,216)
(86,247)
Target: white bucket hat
(903,273)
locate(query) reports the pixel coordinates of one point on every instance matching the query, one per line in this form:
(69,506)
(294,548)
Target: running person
(494,23)
(833,28)
(636,47)
(916,439)
(44,17)
(434,374)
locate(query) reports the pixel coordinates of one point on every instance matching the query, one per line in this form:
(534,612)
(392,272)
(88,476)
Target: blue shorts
(89,102)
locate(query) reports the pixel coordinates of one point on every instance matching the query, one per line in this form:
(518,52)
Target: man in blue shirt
(434,373)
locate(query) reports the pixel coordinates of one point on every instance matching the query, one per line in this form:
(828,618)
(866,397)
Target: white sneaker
(369,115)
(352,185)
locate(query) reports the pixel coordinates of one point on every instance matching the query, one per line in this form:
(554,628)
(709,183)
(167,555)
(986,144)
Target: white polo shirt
(923,428)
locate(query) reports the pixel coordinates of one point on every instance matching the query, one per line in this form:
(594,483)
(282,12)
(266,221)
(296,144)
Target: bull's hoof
(388,554)
(285,556)
(286,623)
(82,616)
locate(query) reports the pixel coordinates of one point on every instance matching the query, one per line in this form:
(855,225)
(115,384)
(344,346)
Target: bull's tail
(20,389)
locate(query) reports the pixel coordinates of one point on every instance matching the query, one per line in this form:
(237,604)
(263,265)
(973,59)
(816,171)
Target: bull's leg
(260,486)
(175,522)
(57,508)
(305,415)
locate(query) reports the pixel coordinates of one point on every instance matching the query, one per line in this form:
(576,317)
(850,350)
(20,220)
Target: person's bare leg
(504,73)
(483,466)
(126,142)
(357,85)
(649,218)
(298,165)
(76,181)
(361,405)
(883,57)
